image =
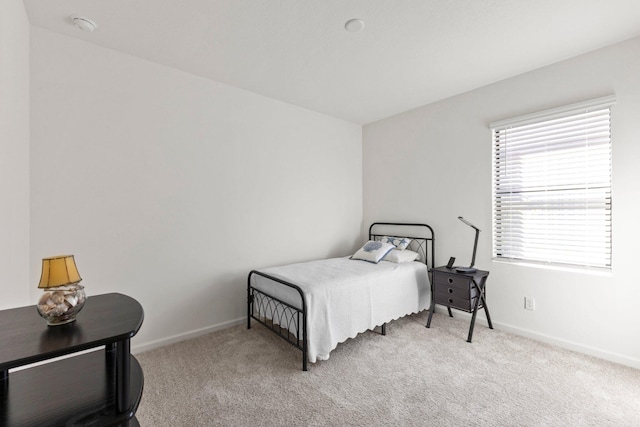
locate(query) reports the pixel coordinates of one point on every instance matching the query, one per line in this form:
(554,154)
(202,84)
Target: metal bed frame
(283,318)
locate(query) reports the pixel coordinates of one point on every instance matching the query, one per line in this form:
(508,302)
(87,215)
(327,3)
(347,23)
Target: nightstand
(462,291)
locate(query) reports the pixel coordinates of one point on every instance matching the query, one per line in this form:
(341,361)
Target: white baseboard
(139,348)
(569,345)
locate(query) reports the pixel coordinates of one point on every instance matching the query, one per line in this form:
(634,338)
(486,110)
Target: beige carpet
(413,376)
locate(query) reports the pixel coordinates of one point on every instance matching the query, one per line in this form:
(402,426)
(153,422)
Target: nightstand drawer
(451,280)
(468,292)
(459,303)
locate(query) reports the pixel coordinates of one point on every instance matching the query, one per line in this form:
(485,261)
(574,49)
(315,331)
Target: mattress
(345,297)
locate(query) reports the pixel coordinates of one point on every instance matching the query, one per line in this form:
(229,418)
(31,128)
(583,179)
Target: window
(552,186)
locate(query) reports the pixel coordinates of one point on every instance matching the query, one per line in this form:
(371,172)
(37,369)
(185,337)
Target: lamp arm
(468,223)
(475,247)
(475,243)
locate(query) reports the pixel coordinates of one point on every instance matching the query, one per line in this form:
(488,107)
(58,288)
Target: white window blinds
(552,186)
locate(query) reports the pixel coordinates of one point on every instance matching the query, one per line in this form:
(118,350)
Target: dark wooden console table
(98,388)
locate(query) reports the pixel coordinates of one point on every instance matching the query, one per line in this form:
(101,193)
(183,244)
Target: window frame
(504,246)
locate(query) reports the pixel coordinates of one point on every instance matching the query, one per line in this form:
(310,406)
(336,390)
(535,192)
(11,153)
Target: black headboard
(421,235)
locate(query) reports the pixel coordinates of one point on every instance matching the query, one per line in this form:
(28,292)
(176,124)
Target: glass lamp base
(60,305)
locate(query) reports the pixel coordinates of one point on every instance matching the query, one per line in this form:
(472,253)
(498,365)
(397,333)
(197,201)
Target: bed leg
(249,312)
(384,329)
(305,344)
(249,301)
(304,352)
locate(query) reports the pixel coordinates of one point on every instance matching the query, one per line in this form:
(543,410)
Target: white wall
(14,154)
(433,164)
(171,188)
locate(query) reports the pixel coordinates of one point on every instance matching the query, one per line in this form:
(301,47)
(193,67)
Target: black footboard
(285,320)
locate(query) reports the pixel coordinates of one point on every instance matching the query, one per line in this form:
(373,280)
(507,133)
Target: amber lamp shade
(63,296)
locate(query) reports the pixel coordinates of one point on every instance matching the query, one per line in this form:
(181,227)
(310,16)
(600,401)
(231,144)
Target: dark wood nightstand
(462,291)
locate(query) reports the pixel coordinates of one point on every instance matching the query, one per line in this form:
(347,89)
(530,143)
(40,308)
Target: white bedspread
(345,297)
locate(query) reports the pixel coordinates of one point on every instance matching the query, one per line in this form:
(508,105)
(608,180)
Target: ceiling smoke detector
(84,23)
(354,25)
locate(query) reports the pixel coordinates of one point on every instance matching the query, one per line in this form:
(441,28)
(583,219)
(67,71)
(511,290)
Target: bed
(318,304)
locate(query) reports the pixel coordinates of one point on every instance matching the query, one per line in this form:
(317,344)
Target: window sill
(592,271)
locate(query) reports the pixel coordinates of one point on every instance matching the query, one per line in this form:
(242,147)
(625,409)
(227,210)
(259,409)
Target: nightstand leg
(4,385)
(123,374)
(431,308)
(450,313)
(475,311)
(486,310)
(473,320)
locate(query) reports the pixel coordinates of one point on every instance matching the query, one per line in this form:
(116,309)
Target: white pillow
(373,251)
(401,256)
(400,243)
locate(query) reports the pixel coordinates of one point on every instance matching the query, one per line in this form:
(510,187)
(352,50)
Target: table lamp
(470,269)
(63,296)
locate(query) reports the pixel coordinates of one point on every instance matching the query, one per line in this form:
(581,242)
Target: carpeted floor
(413,376)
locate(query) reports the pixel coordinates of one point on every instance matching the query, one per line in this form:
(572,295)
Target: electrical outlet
(529,303)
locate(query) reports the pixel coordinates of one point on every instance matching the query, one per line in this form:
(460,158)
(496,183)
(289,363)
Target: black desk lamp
(470,269)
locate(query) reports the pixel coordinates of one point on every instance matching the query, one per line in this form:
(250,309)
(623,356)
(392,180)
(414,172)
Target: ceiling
(410,52)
